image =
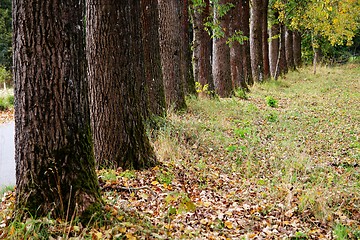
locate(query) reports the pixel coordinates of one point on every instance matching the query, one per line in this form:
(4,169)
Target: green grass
(291,165)
(6,99)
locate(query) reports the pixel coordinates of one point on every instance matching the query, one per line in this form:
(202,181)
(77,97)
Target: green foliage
(6,100)
(241,93)
(212,26)
(5,75)
(5,33)
(271,102)
(237,37)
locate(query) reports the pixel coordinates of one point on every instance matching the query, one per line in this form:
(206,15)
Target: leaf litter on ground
(239,169)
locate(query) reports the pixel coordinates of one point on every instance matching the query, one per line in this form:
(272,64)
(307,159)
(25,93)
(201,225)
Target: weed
(271,102)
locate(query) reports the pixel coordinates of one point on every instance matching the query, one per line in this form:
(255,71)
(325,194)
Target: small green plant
(6,101)
(272,117)
(165,177)
(271,102)
(231,148)
(241,93)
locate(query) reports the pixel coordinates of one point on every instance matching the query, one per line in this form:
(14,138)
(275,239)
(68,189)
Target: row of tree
(82,95)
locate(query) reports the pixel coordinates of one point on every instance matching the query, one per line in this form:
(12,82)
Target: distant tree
(186,58)
(116,73)
(274,42)
(236,40)
(55,166)
(202,46)
(265,39)
(221,51)
(289,49)
(171,51)
(297,48)
(256,52)
(152,58)
(245,48)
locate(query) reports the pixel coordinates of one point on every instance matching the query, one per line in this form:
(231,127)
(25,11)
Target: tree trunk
(202,46)
(237,70)
(55,166)
(171,48)
(274,45)
(152,58)
(221,57)
(289,49)
(256,52)
(264,40)
(186,64)
(245,48)
(283,68)
(116,72)
(297,48)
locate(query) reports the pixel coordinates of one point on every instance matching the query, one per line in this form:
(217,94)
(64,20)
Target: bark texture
(289,49)
(152,58)
(274,46)
(202,48)
(221,57)
(171,48)
(264,39)
(256,52)
(55,167)
(237,69)
(245,48)
(282,66)
(186,64)
(116,75)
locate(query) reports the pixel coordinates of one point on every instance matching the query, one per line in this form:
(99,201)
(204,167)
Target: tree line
(89,74)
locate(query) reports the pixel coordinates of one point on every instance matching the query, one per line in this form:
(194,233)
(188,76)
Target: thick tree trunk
(237,70)
(171,48)
(202,46)
(152,58)
(289,49)
(55,166)
(256,52)
(245,48)
(116,71)
(186,64)
(221,57)
(297,48)
(264,40)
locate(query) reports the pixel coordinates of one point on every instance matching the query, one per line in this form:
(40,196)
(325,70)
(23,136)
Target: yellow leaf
(207,204)
(120,218)
(99,235)
(130,236)
(122,229)
(228,224)
(154,183)
(203,221)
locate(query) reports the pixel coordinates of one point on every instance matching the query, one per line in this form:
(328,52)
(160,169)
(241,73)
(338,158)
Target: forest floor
(282,164)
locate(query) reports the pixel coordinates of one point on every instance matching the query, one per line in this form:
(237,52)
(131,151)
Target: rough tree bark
(186,61)
(282,64)
(221,56)
(237,70)
(55,167)
(245,48)
(264,39)
(170,47)
(256,52)
(274,44)
(289,52)
(116,72)
(152,58)
(202,46)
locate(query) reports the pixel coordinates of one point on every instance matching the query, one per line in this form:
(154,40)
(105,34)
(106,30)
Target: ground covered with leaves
(281,164)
